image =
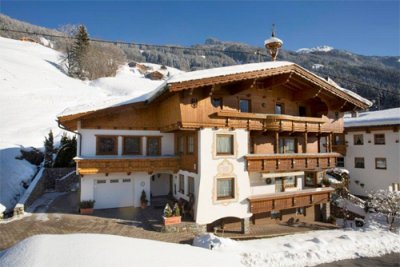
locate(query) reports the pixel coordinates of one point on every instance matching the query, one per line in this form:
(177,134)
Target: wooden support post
(305,142)
(330,142)
(276,142)
(319,143)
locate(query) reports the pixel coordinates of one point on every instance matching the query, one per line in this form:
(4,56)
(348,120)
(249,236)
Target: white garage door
(113,193)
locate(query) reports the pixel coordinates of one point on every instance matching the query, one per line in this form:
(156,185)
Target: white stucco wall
(211,166)
(373,179)
(88,141)
(141,181)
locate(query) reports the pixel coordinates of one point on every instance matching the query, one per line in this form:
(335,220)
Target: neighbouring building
(373,150)
(245,143)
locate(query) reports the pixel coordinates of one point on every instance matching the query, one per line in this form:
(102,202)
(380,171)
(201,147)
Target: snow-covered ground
(34,89)
(306,249)
(108,250)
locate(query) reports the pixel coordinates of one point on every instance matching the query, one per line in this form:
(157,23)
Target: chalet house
(373,151)
(241,142)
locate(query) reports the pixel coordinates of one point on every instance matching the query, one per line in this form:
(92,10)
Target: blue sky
(363,27)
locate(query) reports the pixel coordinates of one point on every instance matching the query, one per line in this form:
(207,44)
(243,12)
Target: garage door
(113,193)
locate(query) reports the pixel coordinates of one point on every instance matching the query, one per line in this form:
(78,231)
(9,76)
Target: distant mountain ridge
(361,74)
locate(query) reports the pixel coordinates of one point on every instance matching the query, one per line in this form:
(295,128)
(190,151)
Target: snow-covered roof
(223,71)
(374,118)
(180,77)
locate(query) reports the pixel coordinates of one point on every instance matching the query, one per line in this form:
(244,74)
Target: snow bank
(12,173)
(307,249)
(108,250)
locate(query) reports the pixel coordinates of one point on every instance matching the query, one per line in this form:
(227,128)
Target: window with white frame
(379,139)
(225,188)
(359,163)
(224,144)
(358,139)
(380,163)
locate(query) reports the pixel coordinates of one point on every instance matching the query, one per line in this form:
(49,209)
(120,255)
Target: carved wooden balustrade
(274,122)
(127,164)
(289,200)
(290,162)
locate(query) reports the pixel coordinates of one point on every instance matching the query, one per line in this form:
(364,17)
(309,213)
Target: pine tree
(78,52)
(49,150)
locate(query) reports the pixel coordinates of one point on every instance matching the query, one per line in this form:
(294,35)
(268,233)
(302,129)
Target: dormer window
(245,105)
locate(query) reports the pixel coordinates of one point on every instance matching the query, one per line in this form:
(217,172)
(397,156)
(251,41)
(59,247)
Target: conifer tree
(48,150)
(78,52)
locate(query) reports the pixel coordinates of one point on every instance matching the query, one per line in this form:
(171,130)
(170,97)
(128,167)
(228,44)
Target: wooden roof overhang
(296,76)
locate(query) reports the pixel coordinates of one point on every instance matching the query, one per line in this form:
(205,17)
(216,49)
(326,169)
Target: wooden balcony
(341,149)
(289,200)
(290,162)
(274,122)
(111,164)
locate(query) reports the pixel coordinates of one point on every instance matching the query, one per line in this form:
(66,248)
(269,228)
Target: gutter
(80,136)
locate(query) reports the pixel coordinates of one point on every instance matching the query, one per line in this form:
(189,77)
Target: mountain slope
(33,90)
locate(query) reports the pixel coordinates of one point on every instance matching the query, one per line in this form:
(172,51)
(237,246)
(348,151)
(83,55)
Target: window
(181,145)
(190,144)
(275,214)
(114,181)
(101,181)
(380,163)
(379,139)
(132,145)
(107,145)
(153,145)
(359,163)
(287,145)
(358,139)
(279,108)
(245,105)
(225,188)
(126,180)
(181,183)
(191,185)
(302,111)
(224,144)
(290,181)
(340,162)
(216,102)
(309,179)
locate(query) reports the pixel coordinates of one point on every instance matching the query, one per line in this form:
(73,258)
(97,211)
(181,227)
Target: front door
(278,184)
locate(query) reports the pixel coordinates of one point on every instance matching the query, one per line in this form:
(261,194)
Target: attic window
(216,102)
(245,105)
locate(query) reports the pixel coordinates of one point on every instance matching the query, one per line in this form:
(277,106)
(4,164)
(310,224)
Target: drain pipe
(80,136)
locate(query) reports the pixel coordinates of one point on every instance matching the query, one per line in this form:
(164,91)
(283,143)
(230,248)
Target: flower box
(86,211)
(172,220)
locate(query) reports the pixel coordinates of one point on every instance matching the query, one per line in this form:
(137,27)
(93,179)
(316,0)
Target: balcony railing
(110,164)
(274,122)
(290,162)
(289,200)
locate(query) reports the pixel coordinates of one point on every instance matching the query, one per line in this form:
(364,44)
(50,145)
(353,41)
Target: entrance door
(278,184)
